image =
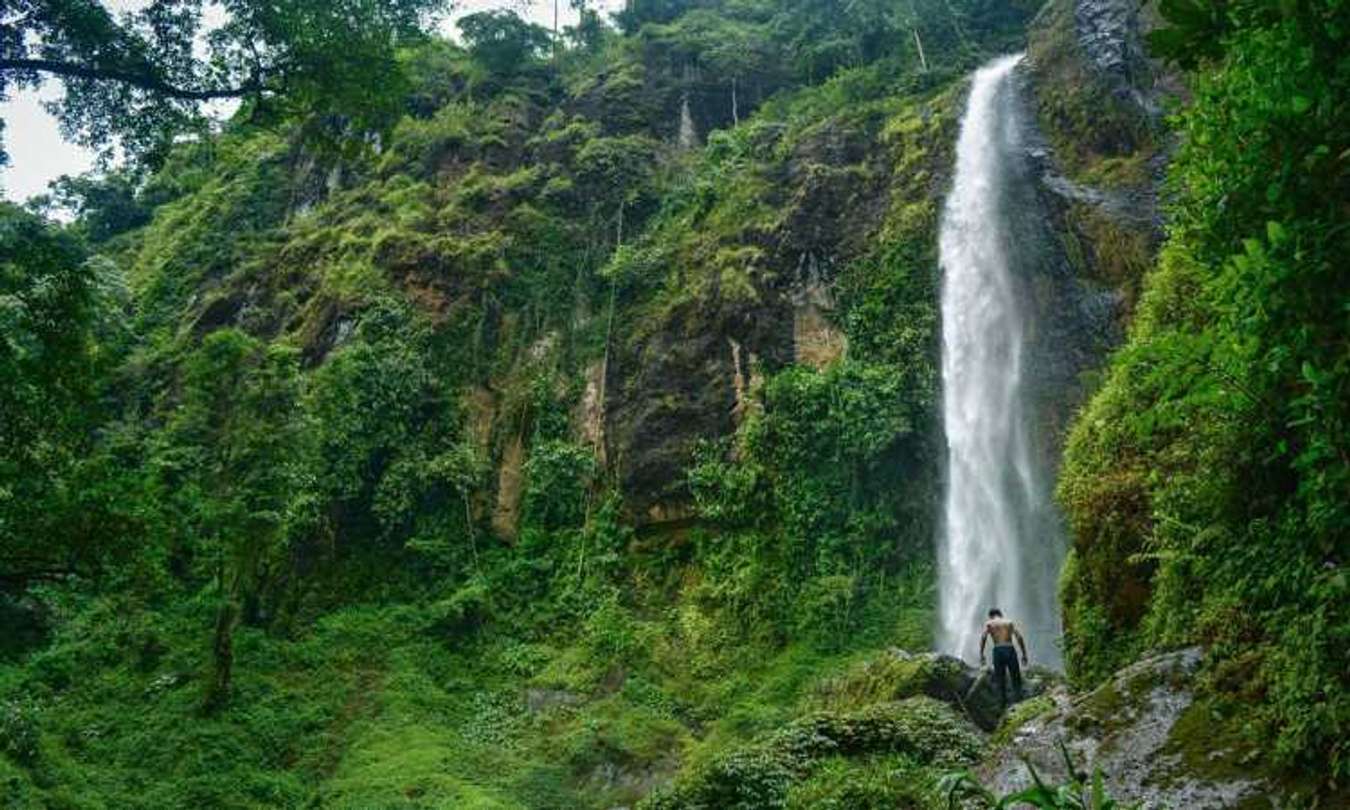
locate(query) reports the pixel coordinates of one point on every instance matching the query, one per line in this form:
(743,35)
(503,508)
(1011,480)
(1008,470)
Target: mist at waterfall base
(1000,543)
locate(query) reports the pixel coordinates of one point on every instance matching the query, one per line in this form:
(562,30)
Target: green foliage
(58,339)
(1205,483)
(315,399)
(103,206)
(560,476)
(19,730)
(922,730)
(502,41)
(869,783)
(142,76)
(807,489)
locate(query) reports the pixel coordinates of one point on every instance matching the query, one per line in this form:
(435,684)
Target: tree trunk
(222,654)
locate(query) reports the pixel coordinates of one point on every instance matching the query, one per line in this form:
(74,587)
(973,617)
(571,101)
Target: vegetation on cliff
(384,475)
(1206,482)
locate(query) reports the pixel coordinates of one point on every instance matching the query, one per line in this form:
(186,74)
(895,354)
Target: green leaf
(1300,104)
(1275,232)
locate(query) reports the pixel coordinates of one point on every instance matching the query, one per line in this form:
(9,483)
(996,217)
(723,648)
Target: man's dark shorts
(1005,660)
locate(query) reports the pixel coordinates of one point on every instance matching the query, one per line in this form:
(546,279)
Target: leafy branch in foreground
(961,788)
(141,77)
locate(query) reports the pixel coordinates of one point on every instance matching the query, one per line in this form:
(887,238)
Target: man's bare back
(1000,630)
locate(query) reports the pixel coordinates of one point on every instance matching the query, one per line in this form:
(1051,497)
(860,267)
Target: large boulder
(1146,732)
(898,674)
(983,703)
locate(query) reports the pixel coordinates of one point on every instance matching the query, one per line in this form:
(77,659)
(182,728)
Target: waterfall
(1000,544)
(688,136)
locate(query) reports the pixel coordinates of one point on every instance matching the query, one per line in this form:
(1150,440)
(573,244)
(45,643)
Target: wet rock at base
(984,705)
(1128,728)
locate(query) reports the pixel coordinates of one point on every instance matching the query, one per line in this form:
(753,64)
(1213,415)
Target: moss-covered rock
(896,675)
(1147,733)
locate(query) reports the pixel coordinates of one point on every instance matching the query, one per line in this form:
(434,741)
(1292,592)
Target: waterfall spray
(1000,545)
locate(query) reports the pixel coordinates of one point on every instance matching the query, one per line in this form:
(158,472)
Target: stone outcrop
(1135,729)
(1096,157)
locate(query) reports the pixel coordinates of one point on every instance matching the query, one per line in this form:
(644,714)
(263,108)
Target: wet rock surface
(1128,728)
(983,702)
(1111,39)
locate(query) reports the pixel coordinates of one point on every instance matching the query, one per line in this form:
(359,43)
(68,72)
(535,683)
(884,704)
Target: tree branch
(142,80)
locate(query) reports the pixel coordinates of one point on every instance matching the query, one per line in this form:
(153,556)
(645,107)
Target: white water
(999,546)
(688,137)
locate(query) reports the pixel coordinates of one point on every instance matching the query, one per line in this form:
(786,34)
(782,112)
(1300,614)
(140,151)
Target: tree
(104,205)
(49,367)
(502,41)
(589,32)
(143,77)
(230,450)
(637,13)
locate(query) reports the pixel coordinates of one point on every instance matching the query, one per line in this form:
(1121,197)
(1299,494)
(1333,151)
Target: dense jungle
(483,414)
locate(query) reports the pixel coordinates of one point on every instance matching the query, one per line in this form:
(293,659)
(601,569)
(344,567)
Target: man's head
(995,613)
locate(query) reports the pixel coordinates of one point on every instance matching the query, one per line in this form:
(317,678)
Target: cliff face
(1097,158)
(755,284)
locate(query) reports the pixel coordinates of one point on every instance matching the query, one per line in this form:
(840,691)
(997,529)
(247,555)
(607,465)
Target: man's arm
(1021,642)
(983,639)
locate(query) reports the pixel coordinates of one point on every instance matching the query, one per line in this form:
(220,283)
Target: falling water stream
(999,544)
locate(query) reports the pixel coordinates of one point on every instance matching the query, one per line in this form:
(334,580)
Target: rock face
(1109,33)
(680,373)
(1134,729)
(1096,158)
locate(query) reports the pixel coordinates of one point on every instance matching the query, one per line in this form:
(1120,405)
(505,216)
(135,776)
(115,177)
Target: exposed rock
(816,341)
(1095,159)
(680,378)
(542,347)
(480,408)
(1112,45)
(541,700)
(668,390)
(746,377)
(589,419)
(983,703)
(510,485)
(632,779)
(1129,729)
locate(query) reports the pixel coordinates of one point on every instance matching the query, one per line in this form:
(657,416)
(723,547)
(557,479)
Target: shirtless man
(1005,658)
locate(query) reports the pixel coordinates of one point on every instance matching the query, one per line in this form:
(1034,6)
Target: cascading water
(1000,545)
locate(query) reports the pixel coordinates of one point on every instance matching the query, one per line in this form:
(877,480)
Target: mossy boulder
(897,674)
(983,703)
(1142,729)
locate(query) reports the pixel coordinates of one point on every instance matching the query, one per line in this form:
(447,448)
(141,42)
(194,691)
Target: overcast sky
(39,155)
